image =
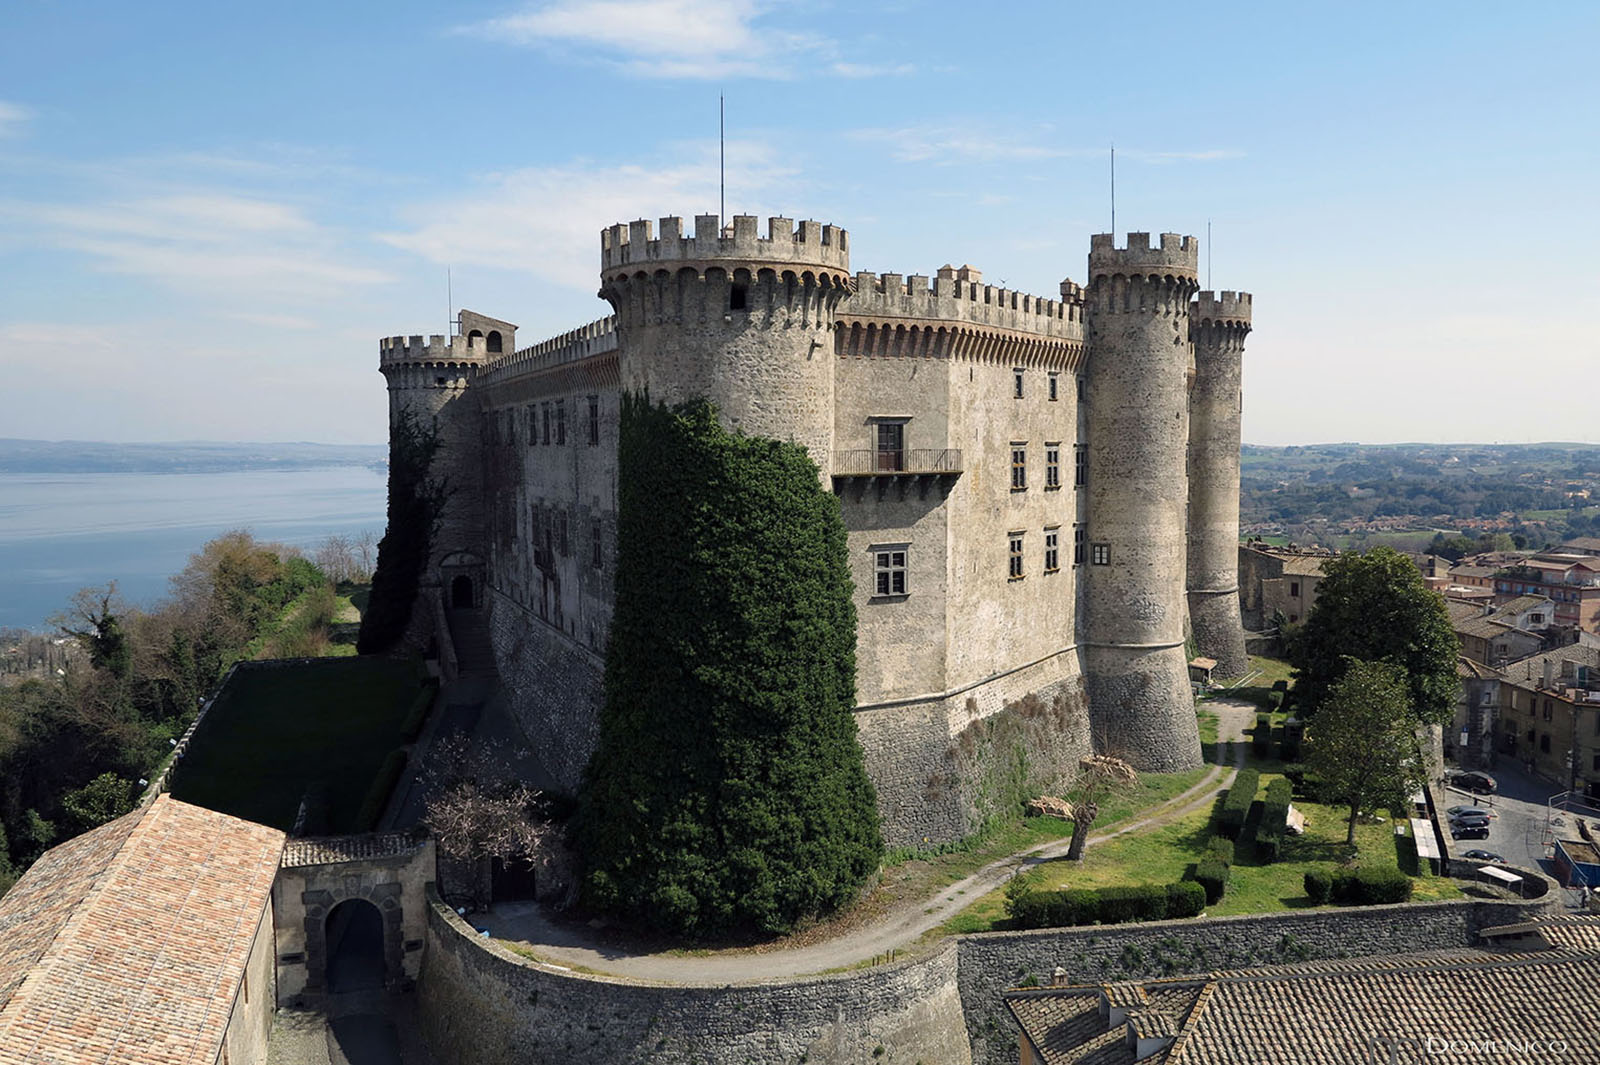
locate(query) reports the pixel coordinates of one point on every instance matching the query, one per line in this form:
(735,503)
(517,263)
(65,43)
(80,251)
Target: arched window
(493,345)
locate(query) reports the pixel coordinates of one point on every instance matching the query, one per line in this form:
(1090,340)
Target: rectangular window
(1016,383)
(1019,466)
(544,411)
(1100,554)
(889,445)
(596,536)
(561,422)
(889,570)
(533,425)
(562,543)
(1055,384)
(1083,391)
(1547,709)
(594,421)
(1080,465)
(511,428)
(1015,570)
(1294,589)
(1544,743)
(1080,545)
(1052,550)
(1052,466)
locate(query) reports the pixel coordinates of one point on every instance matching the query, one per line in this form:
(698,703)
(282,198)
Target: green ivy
(727,791)
(416,501)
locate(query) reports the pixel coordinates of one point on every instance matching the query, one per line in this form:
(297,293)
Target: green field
(276,731)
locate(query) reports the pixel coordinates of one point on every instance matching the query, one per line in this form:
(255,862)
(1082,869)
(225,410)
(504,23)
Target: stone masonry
(1010,470)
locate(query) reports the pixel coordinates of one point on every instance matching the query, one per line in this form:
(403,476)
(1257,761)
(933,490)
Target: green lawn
(276,731)
(1165,854)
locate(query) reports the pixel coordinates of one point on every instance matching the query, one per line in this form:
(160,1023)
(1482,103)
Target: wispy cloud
(13,117)
(688,39)
(972,141)
(508,222)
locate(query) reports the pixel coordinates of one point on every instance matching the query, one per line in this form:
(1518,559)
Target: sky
(210,213)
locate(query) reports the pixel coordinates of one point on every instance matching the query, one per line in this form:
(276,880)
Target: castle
(1041,495)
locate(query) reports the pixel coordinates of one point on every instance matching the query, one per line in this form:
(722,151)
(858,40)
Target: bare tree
(1104,775)
(336,558)
(366,549)
(478,811)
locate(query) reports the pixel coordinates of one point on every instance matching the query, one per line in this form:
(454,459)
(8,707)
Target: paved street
(1518,830)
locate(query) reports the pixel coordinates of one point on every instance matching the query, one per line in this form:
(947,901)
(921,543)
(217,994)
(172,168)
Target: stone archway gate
(391,870)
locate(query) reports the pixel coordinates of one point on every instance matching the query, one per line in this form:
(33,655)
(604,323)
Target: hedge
(1319,885)
(1236,804)
(1212,875)
(1138,902)
(1107,905)
(1186,898)
(1370,885)
(1293,737)
(1274,819)
(1220,849)
(1261,736)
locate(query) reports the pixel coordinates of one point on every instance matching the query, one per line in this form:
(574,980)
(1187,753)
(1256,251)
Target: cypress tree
(727,792)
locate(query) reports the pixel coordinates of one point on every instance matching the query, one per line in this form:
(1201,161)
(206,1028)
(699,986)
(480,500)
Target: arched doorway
(461,592)
(354,931)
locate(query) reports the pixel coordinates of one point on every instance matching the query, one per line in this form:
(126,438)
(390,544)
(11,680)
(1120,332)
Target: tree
(1364,743)
(103,799)
(95,621)
(1375,607)
(727,791)
(1103,776)
(416,503)
(478,811)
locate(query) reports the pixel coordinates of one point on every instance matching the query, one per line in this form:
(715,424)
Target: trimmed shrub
(1280,686)
(382,785)
(1293,736)
(1186,898)
(1212,875)
(1370,886)
(1138,902)
(1274,819)
(1319,885)
(1221,849)
(1236,804)
(1261,736)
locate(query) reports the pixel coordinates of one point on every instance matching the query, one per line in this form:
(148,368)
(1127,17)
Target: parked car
(1476,855)
(1470,811)
(1469,822)
(1473,781)
(1470,831)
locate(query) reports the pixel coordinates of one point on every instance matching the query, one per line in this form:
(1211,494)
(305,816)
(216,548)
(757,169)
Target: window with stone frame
(544,413)
(1052,466)
(889,569)
(1080,465)
(594,421)
(1100,554)
(1080,545)
(1016,383)
(1015,570)
(1055,387)
(1052,550)
(1019,466)
(532,414)
(889,445)
(561,422)
(597,544)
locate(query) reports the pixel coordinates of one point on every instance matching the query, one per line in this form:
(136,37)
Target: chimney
(1549,672)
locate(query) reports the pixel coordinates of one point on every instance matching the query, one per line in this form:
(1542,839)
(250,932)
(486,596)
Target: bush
(1261,736)
(1319,885)
(1221,849)
(377,799)
(1236,804)
(1054,909)
(1274,819)
(1139,902)
(1212,875)
(1289,749)
(1370,885)
(1186,898)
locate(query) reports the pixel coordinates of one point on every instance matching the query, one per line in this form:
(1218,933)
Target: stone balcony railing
(908,462)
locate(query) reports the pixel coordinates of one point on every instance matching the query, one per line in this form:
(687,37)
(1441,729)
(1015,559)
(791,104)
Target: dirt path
(526,925)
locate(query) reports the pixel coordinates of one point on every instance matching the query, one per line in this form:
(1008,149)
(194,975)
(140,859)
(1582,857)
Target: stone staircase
(469,631)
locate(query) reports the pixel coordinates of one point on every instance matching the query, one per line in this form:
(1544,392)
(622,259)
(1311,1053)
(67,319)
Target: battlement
(1223,307)
(808,244)
(398,351)
(1176,255)
(959,295)
(595,338)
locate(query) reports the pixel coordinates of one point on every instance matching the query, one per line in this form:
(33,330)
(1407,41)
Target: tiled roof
(1487,628)
(334,850)
(1530,670)
(1461,610)
(1585,544)
(1473,571)
(1304,565)
(1522,603)
(1333,1011)
(128,944)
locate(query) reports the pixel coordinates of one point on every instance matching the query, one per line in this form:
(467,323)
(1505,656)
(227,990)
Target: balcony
(906,462)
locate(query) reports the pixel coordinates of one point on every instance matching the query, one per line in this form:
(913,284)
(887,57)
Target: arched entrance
(354,931)
(461,592)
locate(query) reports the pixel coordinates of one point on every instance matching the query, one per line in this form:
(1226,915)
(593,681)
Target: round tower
(1140,705)
(1218,326)
(741,320)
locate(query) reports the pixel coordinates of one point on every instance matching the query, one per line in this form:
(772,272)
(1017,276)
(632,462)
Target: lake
(61,532)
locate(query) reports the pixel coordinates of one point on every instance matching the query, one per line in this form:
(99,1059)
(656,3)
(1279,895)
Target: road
(1517,831)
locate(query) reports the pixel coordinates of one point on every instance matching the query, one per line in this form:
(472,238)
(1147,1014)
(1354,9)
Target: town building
(1549,716)
(1040,495)
(1572,581)
(1278,582)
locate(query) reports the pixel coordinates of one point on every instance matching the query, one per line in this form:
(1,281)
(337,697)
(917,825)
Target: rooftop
(128,943)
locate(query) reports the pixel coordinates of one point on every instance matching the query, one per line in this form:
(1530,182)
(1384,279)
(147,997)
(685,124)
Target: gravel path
(525,924)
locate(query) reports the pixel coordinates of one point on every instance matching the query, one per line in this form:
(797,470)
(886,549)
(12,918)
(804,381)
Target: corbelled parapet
(575,345)
(435,349)
(1218,325)
(636,246)
(959,295)
(1137,313)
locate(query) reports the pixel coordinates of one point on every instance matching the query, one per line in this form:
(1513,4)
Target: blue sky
(209,213)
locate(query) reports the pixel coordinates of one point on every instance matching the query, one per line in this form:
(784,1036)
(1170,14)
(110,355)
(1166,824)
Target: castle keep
(1041,495)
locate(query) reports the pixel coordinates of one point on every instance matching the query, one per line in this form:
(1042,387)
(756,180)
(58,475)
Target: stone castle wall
(482,1004)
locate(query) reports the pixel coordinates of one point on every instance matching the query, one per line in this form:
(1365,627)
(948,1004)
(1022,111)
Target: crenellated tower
(1218,326)
(742,320)
(1135,667)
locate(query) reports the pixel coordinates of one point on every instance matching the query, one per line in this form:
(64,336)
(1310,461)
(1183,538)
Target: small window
(1052,466)
(561,422)
(738,295)
(889,443)
(493,342)
(889,570)
(1055,385)
(1080,545)
(1544,743)
(1548,710)
(544,411)
(1019,466)
(533,425)
(1080,465)
(1016,383)
(1052,550)
(1083,391)
(1015,570)
(594,421)
(1100,554)
(563,545)
(1530,735)
(1293,618)
(1294,589)
(597,538)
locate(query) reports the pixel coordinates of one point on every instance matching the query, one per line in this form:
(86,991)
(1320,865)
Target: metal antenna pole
(449,305)
(722,161)
(1208,255)
(1113,190)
